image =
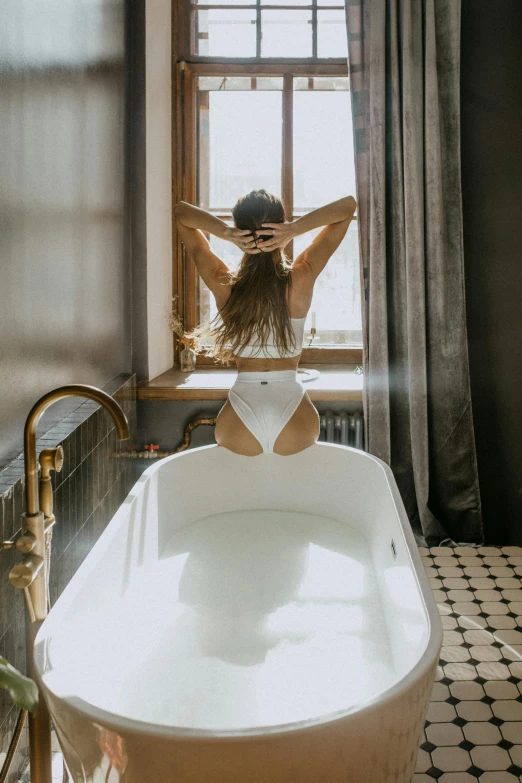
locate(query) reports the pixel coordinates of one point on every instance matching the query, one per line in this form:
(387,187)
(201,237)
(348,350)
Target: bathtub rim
(427,658)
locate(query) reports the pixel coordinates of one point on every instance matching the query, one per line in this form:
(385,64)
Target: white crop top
(270,350)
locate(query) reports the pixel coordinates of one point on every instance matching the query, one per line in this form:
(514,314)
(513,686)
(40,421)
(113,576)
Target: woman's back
(262,312)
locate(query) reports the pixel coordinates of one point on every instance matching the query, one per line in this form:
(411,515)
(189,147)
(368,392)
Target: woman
(262,311)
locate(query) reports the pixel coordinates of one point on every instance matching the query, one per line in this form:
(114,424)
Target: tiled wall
(92,484)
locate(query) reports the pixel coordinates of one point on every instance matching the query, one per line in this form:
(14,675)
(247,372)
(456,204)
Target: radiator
(344,428)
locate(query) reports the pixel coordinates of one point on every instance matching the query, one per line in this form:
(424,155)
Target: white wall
(159,184)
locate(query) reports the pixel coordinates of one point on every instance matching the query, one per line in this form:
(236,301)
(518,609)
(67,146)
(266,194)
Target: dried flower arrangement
(176,325)
(189,342)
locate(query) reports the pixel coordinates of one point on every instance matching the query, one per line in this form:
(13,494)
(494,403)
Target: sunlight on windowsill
(324,383)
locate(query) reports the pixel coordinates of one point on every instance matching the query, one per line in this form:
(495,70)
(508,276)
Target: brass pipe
(29,605)
(182,446)
(185,443)
(15,739)
(34,529)
(40,748)
(73,390)
(34,522)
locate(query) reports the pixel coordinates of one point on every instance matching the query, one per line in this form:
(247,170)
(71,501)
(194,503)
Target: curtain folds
(404,72)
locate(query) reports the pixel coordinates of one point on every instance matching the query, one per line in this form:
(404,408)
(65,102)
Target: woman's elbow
(179,209)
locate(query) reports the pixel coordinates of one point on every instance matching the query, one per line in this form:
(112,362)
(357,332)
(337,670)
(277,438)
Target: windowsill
(333,383)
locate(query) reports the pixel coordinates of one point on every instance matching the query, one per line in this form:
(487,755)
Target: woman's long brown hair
(257,308)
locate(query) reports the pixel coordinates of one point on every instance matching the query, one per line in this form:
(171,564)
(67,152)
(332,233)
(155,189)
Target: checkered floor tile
(474,724)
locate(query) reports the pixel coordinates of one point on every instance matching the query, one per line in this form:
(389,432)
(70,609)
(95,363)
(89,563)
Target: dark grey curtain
(404,72)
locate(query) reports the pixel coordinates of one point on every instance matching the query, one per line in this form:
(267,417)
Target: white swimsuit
(266,401)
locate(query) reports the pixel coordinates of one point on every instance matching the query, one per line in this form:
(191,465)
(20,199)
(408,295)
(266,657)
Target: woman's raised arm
(336,217)
(192,223)
(283,233)
(199,219)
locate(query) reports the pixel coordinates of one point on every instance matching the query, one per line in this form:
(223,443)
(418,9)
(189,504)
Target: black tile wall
(88,490)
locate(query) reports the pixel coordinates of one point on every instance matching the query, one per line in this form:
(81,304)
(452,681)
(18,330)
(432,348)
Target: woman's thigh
(234,435)
(301,431)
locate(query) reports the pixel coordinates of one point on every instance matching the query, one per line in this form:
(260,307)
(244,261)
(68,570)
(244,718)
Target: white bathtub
(246,620)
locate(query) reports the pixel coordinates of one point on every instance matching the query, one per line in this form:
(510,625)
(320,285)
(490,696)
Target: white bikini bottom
(265,402)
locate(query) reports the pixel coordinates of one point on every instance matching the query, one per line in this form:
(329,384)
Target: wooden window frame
(186,69)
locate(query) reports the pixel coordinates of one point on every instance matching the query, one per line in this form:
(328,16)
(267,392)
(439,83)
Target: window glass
(239,137)
(286,2)
(240,146)
(225,33)
(324,170)
(337,296)
(331,34)
(286,33)
(206,83)
(324,167)
(233,30)
(321,83)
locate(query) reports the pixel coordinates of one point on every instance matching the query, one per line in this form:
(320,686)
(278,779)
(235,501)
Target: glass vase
(187,360)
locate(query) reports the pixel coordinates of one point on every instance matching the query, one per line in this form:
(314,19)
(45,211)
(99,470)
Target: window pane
(323,148)
(240,83)
(331,34)
(268,83)
(337,294)
(226,33)
(239,149)
(330,2)
(321,83)
(286,33)
(232,2)
(239,146)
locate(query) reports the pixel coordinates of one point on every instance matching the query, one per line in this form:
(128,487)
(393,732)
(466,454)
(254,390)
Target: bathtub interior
(122,636)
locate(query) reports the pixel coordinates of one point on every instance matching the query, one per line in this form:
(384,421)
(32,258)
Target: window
(299,29)
(270,64)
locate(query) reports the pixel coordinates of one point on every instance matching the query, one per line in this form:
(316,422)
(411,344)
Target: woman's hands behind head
(276,235)
(270,236)
(242,239)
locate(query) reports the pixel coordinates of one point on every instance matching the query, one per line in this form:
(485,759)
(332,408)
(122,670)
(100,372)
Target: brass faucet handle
(25,573)
(26,543)
(51,459)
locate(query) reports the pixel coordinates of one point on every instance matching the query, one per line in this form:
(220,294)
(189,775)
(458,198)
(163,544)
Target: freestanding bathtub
(246,620)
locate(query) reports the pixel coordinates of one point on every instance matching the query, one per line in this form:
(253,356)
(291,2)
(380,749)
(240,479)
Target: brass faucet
(36,524)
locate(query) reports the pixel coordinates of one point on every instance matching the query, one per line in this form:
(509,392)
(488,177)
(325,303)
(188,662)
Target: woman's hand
(242,239)
(280,234)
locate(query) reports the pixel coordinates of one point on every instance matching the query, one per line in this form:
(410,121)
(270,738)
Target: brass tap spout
(74,390)
(38,517)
